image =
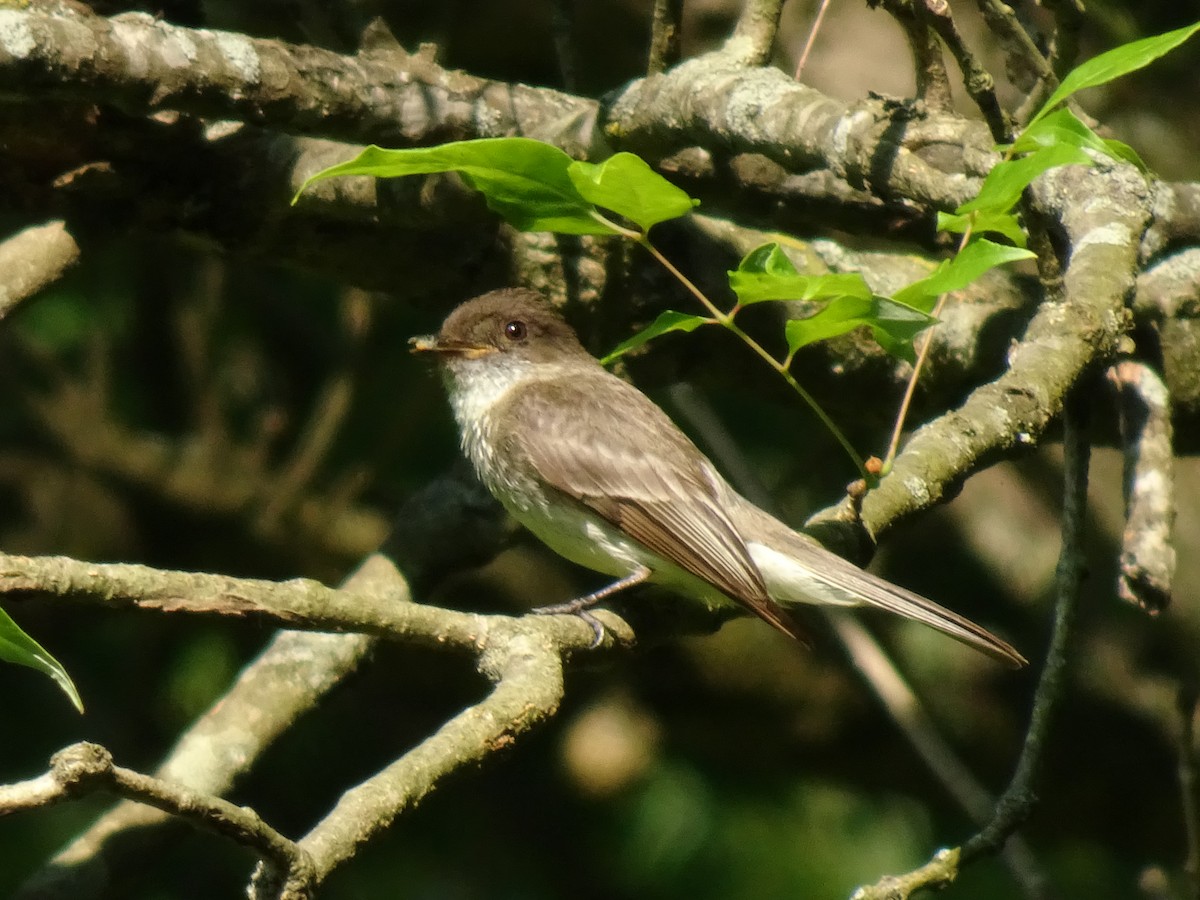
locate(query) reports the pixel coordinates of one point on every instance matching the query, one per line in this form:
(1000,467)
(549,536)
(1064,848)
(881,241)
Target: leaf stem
(922,354)
(781,368)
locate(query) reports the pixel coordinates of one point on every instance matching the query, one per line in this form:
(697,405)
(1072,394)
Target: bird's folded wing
(646,478)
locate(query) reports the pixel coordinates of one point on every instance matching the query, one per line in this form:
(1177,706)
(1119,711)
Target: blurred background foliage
(166,406)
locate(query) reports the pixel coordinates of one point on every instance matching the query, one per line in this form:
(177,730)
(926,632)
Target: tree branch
(754,34)
(1147,566)
(141,62)
(85,768)
(443,528)
(1064,338)
(32,260)
(1019,797)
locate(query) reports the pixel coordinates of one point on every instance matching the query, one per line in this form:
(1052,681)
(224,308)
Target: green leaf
(1004,184)
(893,325)
(626,184)
(954,274)
(667,321)
(1064,127)
(982,222)
(767,274)
(523,180)
(1059,127)
(1115,63)
(1122,151)
(18,647)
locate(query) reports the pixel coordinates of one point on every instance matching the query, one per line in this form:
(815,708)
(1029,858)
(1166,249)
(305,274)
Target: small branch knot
(81,766)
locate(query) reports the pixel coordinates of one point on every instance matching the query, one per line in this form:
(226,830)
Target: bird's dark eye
(515,330)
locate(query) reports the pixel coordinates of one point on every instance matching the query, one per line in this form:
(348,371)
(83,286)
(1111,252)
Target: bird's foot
(578,608)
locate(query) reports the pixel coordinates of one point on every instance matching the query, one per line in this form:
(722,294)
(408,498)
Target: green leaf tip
(626,184)
(18,647)
(667,321)
(1115,63)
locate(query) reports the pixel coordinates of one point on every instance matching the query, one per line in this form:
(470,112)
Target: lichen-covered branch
(754,34)
(139,61)
(1147,564)
(528,672)
(1104,215)
(444,527)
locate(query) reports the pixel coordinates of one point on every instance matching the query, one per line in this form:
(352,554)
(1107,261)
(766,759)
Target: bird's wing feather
(646,478)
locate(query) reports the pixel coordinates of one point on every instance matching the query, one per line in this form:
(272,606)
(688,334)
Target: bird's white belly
(583,538)
(589,541)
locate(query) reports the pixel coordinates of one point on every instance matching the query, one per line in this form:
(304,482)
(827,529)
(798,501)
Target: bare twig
(937,873)
(1064,46)
(563,24)
(980,85)
(1027,67)
(85,768)
(1019,797)
(32,260)
(933,83)
(328,414)
(195,320)
(812,37)
(1147,541)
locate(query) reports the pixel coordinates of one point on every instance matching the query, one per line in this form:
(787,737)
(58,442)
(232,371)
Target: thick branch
(140,62)
(443,528)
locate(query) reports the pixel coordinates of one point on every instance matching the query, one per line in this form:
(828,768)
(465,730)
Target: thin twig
(1147,567)
(910,389)
(563,23)
(727,320)
(1064,46)
(86,768)
(933,83)
(1019,797)
(980,84)
(1027,66)
(812,37)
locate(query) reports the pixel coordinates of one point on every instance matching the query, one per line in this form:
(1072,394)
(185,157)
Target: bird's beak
(429,343)
(423,343)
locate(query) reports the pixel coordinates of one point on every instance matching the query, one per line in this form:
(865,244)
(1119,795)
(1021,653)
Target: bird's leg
(581,605)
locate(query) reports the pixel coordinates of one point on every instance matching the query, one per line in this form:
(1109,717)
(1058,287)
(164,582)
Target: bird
(601,475)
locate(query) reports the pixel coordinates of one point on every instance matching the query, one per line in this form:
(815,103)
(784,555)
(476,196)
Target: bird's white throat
(476,385)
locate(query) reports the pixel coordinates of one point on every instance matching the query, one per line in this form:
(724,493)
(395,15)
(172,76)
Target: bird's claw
(579,610)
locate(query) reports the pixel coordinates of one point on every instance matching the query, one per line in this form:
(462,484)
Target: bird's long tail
(798,570)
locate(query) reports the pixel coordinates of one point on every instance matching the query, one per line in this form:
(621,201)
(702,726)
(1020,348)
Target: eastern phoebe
(599,473)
